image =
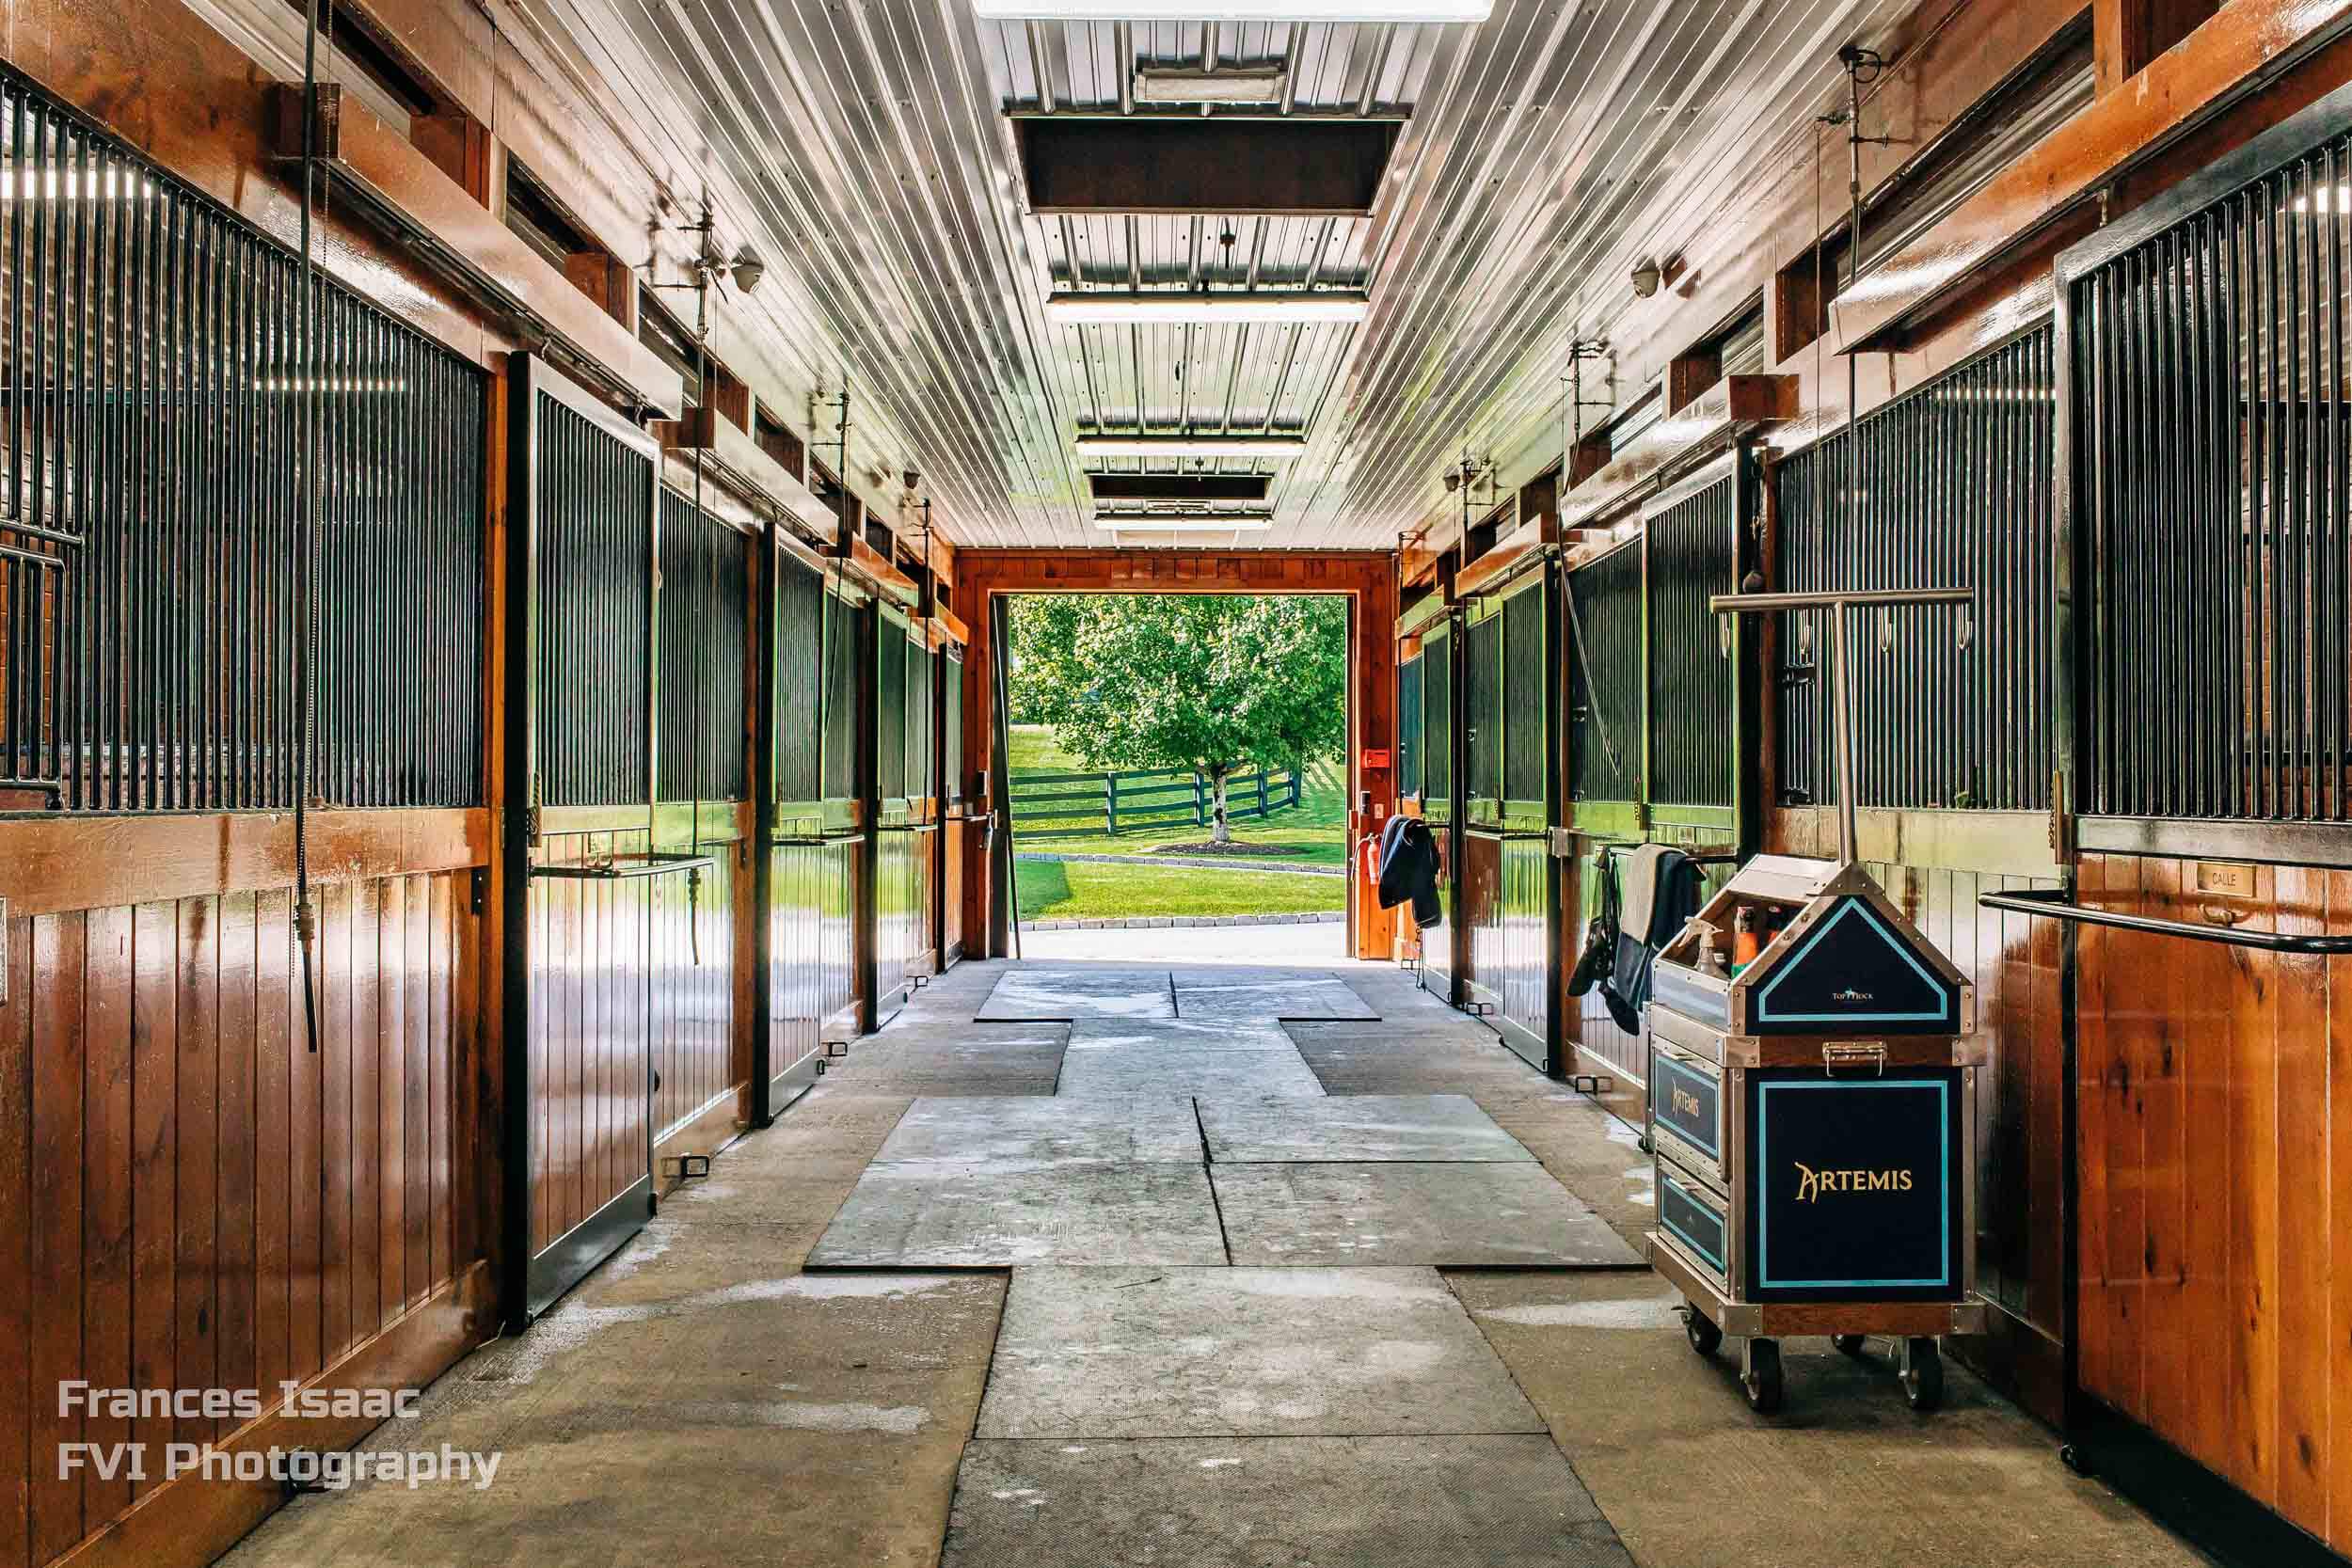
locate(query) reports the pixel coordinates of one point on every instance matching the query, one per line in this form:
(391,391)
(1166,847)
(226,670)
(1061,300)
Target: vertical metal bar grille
(952,738)
(1483,694)
(1437,694)
(798,657)
(2216,423)
(149,481)
(595,557)
(705,584)
(843,625)
(1951,709)
(1691,548)
(1526,737)
(890,708)
(1607,696)
(1408,726)
(921,664)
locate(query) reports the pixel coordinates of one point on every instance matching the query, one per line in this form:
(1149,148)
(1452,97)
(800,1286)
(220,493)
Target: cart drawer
(1686,1108)
(1696,1220)
(1853,1188)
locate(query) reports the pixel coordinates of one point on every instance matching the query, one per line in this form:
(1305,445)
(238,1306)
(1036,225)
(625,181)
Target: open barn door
(581,869)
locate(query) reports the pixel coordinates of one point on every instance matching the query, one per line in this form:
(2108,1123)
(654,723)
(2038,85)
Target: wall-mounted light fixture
(1646,277)
(1079,307)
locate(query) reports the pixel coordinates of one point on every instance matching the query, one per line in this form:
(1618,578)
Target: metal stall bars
(702,813)
(1510,899)
(1605,719)
(1698,728)
(926,804)
(1956,483)
(954,805)
(2204,556)
(584,497)
(847,810)
(902,880)
(1441,750)
(810,959)
(151,480)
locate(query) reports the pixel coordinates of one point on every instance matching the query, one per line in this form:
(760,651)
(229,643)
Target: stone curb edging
(1320,917)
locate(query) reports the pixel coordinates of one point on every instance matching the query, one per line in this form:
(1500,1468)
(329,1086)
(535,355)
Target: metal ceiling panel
(868,150)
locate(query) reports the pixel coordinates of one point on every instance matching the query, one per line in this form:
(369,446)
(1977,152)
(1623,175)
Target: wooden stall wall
(702,952)
(2216,1237)
(202,1202)
(2211,529)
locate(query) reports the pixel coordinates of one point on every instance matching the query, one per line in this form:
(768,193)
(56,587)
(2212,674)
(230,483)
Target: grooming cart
(1810,1115)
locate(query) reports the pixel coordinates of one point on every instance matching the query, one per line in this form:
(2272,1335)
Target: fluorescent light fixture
(1232,11)
(1234,85)
(1191,446)
(47,184)
(1083,308)
(1181,522)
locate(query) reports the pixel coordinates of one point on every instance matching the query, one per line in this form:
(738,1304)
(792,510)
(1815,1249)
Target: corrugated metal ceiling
(864,145)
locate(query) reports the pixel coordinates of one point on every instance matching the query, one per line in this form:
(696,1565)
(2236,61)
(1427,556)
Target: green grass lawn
(1063,890)
(1313,833)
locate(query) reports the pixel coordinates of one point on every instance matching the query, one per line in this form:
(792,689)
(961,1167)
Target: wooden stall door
(584,530)
(2211,524)
(1601,658)
(809,963)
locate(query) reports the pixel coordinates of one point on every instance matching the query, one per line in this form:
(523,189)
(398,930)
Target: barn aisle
(1223,1267)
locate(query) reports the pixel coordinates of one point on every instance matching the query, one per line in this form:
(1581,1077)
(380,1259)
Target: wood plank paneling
(236,1138)
(2215,1262)
(162,1115)
(104,1004)
(154,1303)
(45,1016)
(2252,1351)
(2305,1185)
(593,966)
(197,1196)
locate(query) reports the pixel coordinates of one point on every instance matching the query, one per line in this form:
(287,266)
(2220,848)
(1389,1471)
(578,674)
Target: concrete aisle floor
(703,1400)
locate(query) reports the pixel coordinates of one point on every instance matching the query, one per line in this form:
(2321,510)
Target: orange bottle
(1745,943)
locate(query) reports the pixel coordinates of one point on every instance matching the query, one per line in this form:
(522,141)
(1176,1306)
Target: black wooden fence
(1071,805)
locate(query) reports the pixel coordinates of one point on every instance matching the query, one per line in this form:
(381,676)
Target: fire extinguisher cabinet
(1810,1117)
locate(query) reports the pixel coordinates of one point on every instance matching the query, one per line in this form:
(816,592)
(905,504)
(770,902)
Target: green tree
(1211,681)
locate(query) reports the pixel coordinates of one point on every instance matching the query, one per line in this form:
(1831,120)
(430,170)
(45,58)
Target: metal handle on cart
(1854,1053)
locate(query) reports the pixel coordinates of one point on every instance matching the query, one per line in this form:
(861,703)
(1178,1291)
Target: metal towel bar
(2054,903)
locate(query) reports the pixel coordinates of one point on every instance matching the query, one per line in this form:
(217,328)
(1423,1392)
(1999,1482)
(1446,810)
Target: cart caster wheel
(1705,1337)
(1922,1375)
(1759,1376)
(1846,1344)
(2076,1459)
(1644,1144)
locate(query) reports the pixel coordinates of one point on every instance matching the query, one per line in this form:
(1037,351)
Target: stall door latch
(1853,1056)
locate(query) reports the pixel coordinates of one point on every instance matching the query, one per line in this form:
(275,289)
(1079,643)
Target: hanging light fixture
(1191,446)
(1083,308)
